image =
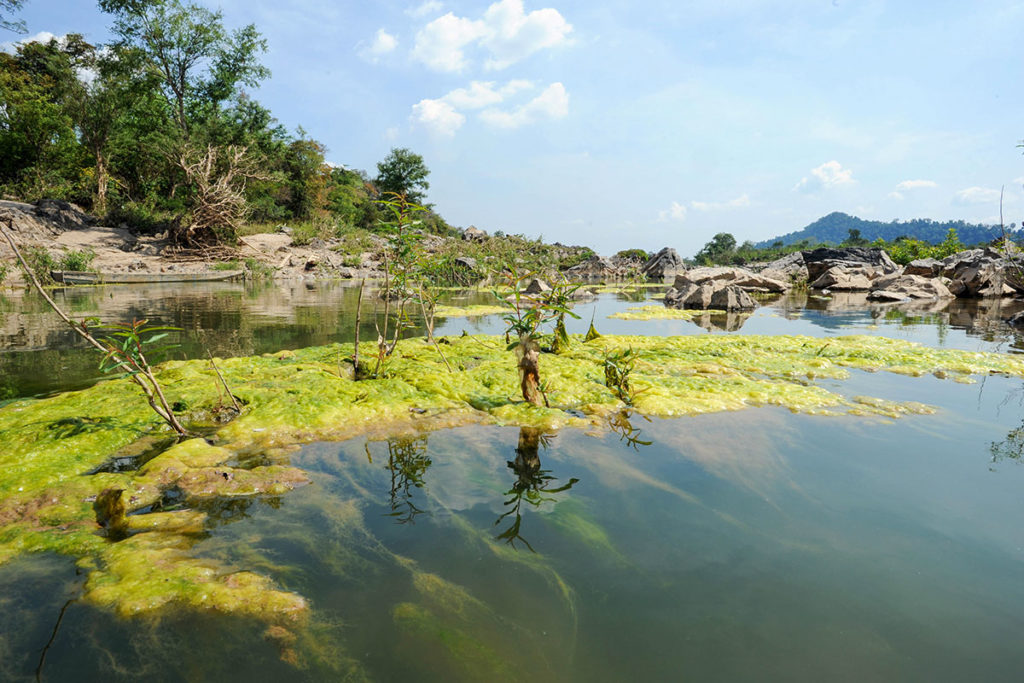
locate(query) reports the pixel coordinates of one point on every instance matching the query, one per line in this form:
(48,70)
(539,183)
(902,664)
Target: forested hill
(835,228)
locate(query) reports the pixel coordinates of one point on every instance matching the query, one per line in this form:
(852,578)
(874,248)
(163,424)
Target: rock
(311,264)
(739,277)
(63,215)
(820,260)
(1017,319)
(709,294)
(845,279)
(732,298)
(926,267)
(789,268)
(665,264)
(900,287)
(284,229)
(474,234)
(466,262)
(537,286)
(594,267)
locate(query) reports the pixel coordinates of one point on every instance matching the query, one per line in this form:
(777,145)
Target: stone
(665,264)
(466,262)
(820,260)
(732,298)
(739,277)
(789,268)
(927,267)
(845,279)
(900,287)
(594,267)
(474,234)
(537,286)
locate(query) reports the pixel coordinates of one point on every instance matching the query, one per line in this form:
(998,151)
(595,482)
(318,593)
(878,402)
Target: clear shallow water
(757,545)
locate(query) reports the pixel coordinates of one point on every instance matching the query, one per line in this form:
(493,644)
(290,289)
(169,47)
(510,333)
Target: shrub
(76,259)
(40,263)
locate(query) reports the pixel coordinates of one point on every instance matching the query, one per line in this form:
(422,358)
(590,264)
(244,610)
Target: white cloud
(829,174)
(976,195)
(383,43)
(676,212)
(513,35)
(915,184)
(41,37)
(895,195)
(553,103)
(738,203)
(391,134)
(423,9)
(437,116)
(506,31)
(481,94)
(1019,181)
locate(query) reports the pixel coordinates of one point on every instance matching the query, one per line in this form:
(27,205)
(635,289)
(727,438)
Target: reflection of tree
(532,483)
(408,461)
(1010,448)
(620,424)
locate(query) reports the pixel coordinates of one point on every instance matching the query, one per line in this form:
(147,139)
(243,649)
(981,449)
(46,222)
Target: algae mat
(59,453)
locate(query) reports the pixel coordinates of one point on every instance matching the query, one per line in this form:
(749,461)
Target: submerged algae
(662,313)
(54,448)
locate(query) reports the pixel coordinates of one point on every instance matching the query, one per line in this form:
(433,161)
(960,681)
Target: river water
(758,545)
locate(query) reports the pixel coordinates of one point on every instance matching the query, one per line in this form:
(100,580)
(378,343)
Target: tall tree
(195,61)
(9,7)
(403,172)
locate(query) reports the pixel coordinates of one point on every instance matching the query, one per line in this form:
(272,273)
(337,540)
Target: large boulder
(899,287)
(846,278)
(820,260)
(789,268)
(739,277)
(594,267)
(725,297)
(663,265)
(925,267)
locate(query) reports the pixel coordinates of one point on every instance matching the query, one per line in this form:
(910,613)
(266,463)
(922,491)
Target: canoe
(73,277)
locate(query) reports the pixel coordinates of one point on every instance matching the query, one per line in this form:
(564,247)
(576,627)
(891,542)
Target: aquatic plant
(618,365)
(527,314)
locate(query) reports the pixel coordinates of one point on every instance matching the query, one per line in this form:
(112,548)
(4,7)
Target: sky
(651,123)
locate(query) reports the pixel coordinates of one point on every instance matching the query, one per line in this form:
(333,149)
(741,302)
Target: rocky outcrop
(901,286)
(746,280)
(710,294)
(663,265)
(925,267)
(846,278)
(594,267)
(820,260)
(474,234)
(790,268)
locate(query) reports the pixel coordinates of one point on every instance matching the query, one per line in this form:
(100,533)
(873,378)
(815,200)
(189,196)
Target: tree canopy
(403,172)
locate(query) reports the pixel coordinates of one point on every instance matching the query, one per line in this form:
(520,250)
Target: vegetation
(835,228)
(76,260)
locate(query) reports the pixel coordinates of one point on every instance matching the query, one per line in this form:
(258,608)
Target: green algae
(54,448)
(473,311)
(662,313)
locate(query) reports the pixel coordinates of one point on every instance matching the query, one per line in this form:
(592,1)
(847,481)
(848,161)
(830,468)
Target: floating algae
(54,451)
(662,313)
(473,311)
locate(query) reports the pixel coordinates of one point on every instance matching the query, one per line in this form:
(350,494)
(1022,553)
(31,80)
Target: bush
(4,269)
(40,263)
(76,260)
(633,255)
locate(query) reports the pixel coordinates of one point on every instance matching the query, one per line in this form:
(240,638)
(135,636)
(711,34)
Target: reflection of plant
(532,483)
(408,462)
(1010,448)
(620,424)
(528,312)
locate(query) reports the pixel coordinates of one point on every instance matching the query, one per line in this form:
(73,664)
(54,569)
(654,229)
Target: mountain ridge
(835,228)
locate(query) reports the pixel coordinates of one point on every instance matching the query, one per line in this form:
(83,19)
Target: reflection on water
(532,484)
(408,462)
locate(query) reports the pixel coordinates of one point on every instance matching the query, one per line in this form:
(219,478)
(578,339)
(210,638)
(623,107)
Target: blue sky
(649,123)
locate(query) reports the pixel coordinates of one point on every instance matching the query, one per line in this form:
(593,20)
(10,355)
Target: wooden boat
(73,277)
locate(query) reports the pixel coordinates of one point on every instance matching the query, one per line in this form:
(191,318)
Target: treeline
(834,228)
(156,130)
(722,249)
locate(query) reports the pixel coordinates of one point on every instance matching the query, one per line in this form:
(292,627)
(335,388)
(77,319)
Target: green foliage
(40,263)
(15,25)
(133,347)
(907,249)
(638,255)
(76,260)
(5,268)
(720,249)
(402,172)
(618,365)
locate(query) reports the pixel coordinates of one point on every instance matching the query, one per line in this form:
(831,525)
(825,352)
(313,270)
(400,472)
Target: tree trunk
(528,353)
(102,181)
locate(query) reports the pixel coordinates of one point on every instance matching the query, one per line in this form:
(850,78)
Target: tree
(403,172)
(185,48)
(718,250)
(9,6)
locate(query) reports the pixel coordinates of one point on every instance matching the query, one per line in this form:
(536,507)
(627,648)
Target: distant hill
(835,227)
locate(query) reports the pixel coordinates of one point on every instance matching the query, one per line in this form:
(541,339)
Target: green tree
(8,7)
(185,50)
(403,173)
(719,250)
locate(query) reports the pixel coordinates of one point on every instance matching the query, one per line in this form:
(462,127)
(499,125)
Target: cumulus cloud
(553,103)
(41,37)
(915,184)
(676,212)
(976,195)
(437,116)
(383,43)
(423,9)
(738,203)
(506,31)
(481,94)
(829,174)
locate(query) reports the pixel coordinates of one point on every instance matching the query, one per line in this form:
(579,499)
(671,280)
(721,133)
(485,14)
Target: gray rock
(474,234)
(466,262)
(926,267)
(846,279)
(739,277)
(537,286)
(732,298)
(901,287)
(820,260)
(789,268)
(665,264)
